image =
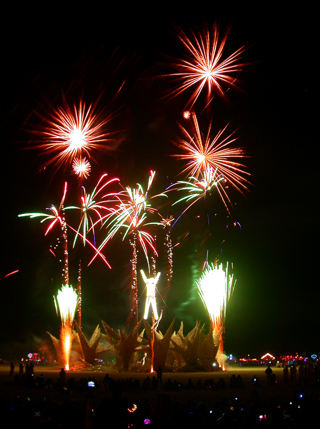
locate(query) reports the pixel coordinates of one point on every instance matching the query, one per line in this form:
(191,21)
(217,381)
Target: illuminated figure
(151,294)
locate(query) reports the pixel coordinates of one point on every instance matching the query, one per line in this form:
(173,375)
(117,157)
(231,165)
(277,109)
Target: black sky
(275,303)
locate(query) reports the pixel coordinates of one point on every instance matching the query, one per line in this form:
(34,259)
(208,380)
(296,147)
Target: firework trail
(98,203)
(130,214)
(205,66)
(196,189)
(66,303)
(166,223)
(57,216)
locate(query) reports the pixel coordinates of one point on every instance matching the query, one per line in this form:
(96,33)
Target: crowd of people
(132,402)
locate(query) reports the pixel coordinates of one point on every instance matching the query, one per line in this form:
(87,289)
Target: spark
(205,65)
(166,223)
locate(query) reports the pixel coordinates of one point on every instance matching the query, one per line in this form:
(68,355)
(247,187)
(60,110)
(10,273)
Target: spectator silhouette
(269,372)
(159,374)
(293,374)
(285,374)
(62,377)
(239,381)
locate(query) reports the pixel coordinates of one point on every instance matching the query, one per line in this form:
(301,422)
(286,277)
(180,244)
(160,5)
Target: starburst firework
(71,133)
(205,65)
(81,167)
(202,152)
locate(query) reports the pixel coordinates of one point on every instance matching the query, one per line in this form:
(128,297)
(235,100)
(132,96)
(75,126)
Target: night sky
(121,57)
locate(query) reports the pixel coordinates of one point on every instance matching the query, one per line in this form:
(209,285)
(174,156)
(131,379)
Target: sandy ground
(281,391)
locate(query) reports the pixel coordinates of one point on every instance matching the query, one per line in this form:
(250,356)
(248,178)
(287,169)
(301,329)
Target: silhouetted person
(302,373)
(273,379)
(285,374)
(159,374)
(239,381)
(62,376)
(255,381)
(269,372)
(190,384)
(21,368)
(233,381)
(293,374)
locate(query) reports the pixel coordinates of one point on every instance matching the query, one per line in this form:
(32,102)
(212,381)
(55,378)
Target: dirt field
(174,389)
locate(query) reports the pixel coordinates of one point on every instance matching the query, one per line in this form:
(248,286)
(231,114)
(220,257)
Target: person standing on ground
(269,372)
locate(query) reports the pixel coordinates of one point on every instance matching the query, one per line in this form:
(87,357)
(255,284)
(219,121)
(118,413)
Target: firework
(205,66)
(66,307)
(201,152)
(97,203)
(197,189)
(215,287)
(79,296)
(166,223)
(72,133)
(129,214)
(81,167)
(57,216)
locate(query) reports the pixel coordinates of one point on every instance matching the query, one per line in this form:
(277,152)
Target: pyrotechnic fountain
(215,287)
(67,302)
